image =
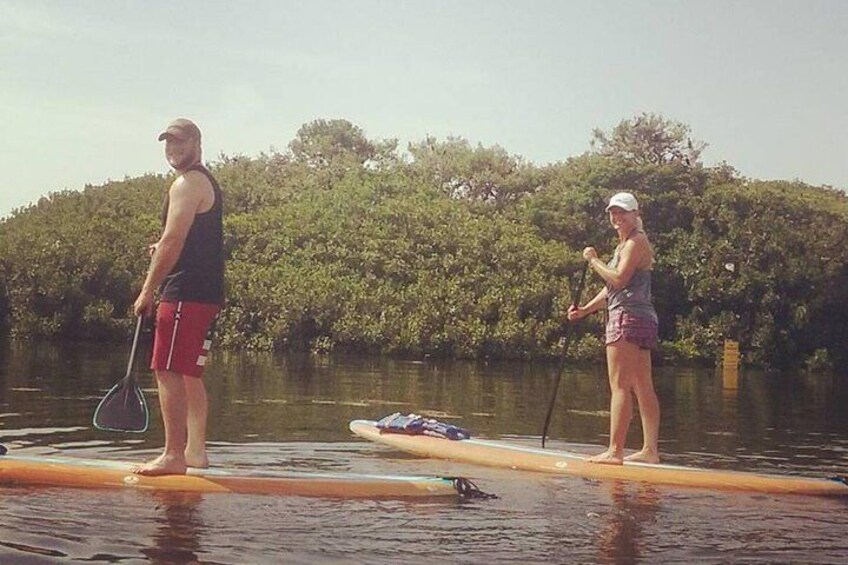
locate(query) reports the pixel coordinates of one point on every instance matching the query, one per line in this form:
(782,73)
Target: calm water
(290,413)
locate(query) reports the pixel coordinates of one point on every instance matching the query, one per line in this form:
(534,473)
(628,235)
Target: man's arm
(185,198)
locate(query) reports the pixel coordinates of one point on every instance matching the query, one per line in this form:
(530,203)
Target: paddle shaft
(566,343)
(134,347)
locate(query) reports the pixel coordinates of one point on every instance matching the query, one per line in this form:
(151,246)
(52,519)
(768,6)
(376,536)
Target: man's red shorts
(182,339)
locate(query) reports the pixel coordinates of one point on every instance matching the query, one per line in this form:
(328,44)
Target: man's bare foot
(197,460)
(606,458)
(163,465)
(644,456)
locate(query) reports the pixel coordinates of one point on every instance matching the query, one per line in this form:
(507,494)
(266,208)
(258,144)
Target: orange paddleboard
(513,456)
(87,473)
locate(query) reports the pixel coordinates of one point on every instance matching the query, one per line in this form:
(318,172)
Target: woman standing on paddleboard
(631,330)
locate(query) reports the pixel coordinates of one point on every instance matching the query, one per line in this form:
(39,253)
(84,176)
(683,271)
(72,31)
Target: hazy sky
(85,86)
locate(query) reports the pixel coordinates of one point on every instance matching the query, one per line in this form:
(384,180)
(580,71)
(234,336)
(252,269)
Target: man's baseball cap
(182,129)
(623,200)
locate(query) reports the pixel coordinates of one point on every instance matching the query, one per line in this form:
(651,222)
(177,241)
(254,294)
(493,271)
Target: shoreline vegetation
(455,251)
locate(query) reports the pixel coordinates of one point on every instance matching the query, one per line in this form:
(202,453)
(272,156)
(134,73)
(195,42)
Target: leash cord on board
(467,489)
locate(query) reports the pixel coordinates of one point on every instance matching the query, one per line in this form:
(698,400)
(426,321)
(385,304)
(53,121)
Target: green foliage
(819,362)
(379,266)
(254,184)
(766,263)
(69,264)
(649,139)
(455,250)
(481,174)
(323,144)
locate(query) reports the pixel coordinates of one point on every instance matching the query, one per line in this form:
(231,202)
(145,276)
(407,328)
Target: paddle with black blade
(566,343)
(124,409)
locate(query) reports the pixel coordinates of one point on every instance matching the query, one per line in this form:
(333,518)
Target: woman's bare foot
(197,460)
(644,456)
(163,465)
(606,458)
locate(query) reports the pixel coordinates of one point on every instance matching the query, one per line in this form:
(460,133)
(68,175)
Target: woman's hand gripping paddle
(124,409)
(566,343)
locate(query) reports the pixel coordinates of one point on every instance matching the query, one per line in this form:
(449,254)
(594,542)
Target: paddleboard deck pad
(513,456)
(57,471)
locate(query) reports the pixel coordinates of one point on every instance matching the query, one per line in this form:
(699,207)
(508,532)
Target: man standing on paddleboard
(631,330)
(187,266)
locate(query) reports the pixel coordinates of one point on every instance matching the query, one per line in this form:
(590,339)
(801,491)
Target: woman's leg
(619,368)
(649,409)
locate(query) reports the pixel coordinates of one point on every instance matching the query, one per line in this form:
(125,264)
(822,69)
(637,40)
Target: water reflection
(621,536)
(178,527)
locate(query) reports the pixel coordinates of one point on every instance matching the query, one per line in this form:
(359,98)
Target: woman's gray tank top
(635,298)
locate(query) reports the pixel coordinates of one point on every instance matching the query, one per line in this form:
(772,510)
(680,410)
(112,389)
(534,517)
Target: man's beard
(186,161)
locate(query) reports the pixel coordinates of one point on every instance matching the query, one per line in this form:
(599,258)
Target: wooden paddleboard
(88,473)
(513,456)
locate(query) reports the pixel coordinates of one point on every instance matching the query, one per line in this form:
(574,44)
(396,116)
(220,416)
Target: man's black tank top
(198,275)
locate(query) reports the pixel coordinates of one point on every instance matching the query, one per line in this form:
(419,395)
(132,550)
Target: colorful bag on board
(413,424)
